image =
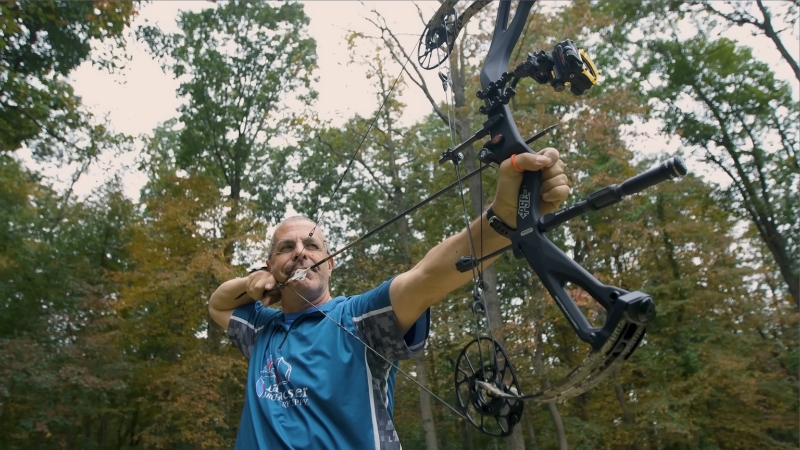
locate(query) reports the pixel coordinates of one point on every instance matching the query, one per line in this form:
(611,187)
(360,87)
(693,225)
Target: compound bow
(488,391)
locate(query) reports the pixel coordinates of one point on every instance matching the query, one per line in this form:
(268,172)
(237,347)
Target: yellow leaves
(190,396)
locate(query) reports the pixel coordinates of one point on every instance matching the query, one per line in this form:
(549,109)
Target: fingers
(550,153)
(531,161)
(258,283)
(556,195)
(553,171)
(271,297)
(555,184)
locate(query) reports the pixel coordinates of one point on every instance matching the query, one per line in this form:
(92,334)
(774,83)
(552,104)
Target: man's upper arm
(436,275)
(413,292)
(375,321)
(222,318)
(246,322)
(408,303)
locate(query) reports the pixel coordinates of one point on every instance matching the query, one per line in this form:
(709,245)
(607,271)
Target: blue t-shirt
(313,386)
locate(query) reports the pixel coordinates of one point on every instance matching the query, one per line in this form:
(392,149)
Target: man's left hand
(555,185)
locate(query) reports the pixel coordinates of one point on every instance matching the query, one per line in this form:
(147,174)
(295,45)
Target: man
(312,385)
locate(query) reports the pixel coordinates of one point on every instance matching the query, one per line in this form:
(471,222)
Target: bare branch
(372,174)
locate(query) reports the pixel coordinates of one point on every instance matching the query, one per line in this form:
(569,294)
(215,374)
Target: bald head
(277,235)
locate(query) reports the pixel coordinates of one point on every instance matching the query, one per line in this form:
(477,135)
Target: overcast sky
(141,96)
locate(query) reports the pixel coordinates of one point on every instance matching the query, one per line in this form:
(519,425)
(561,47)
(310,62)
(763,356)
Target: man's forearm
(442,258)
(435,275)
(230,295)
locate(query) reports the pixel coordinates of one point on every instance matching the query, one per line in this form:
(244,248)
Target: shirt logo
(273,384)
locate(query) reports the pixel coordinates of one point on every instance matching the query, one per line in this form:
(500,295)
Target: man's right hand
(261,286)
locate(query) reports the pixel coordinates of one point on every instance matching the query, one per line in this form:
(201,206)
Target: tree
(63,377)
(43,41)
(743,125)
(184,390)
(739,123)
(772,21)
(237,63)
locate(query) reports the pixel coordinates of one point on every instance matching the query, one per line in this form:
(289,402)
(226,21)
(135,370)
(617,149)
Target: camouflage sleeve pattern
(380,331)
(245,324)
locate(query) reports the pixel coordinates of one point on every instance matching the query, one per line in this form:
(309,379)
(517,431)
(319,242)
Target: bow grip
(554,268)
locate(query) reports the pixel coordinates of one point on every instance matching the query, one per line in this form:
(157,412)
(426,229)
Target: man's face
(293,249)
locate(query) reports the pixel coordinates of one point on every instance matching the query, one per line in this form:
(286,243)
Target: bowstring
(320,213)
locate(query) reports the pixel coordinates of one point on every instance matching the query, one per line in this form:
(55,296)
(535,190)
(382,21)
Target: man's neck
(293,303)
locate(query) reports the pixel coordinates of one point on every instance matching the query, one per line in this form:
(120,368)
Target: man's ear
(330,264)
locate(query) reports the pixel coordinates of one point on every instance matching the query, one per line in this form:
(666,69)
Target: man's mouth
(299,268)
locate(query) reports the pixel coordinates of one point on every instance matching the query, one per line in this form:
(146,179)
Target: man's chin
(305,287)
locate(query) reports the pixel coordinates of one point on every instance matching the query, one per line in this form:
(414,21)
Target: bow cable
(477,269)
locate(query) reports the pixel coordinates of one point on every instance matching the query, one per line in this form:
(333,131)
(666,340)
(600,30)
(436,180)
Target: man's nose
(299,251)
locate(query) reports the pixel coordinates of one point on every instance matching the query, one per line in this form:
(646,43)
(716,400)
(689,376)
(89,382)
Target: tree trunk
(102,433)
(755,204)
(425,407)
(491,299)
(515,441)
(538,363)
(769,30)
(626,415)
(527,418)
(559,424)
(462,130)
(467,431)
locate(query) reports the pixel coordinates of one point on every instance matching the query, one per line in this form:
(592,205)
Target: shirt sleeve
(245,324)
(376,323)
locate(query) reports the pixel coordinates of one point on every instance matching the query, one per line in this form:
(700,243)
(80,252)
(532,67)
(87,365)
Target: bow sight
(565,64)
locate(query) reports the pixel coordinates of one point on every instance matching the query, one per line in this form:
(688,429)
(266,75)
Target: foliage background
(105,340)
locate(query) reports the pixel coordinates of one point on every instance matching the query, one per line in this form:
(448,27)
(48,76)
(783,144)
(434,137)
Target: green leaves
(43,41)
(104,335)
(728,105)
(238,63)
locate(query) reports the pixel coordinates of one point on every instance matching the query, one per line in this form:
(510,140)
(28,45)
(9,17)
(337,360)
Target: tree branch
(372,174)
